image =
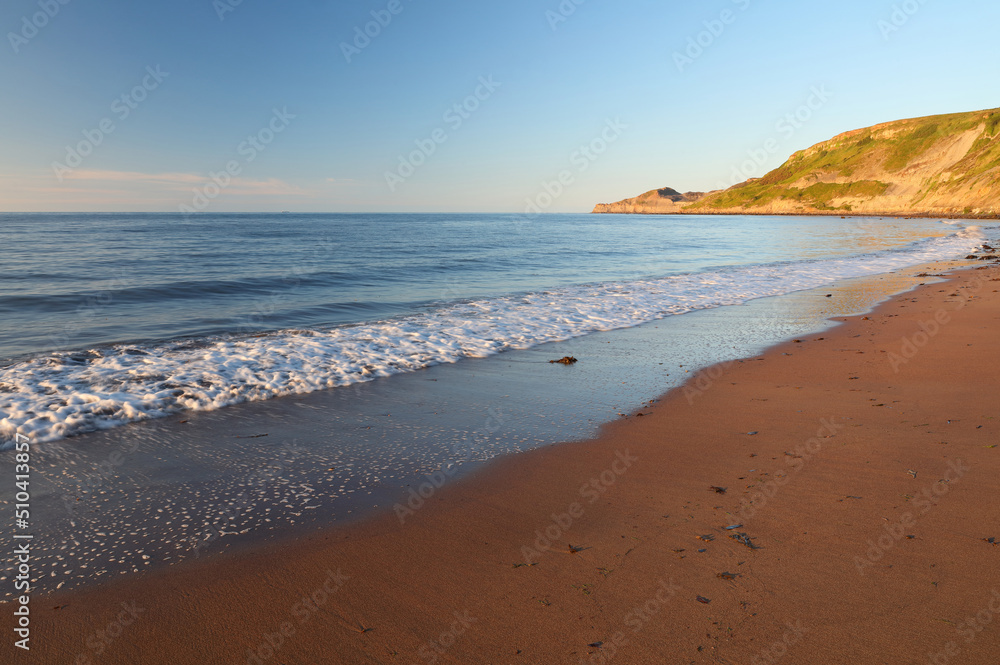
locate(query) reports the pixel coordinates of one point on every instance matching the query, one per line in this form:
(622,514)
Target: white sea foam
(63,394)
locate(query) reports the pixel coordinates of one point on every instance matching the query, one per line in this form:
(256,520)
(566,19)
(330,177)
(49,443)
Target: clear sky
(119,105)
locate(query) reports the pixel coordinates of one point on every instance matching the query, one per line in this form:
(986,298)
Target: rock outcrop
(657,201)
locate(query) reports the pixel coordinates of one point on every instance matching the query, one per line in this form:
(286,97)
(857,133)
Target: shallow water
(110,319)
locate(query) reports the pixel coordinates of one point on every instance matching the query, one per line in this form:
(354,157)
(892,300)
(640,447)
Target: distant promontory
(947,165)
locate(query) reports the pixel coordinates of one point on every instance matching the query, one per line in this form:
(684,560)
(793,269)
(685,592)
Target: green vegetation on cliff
(947,164)
(819,195)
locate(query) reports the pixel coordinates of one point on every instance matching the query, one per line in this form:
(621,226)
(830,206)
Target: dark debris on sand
(741,537)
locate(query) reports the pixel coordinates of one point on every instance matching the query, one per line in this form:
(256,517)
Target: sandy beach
(831,501)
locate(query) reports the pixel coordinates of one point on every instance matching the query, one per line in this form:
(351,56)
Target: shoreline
(271,472)
(412,579)
(843,214)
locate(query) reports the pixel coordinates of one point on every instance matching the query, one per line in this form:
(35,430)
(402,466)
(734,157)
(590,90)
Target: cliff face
(940,166)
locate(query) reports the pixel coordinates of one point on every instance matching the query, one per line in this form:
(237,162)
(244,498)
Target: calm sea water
(108,318)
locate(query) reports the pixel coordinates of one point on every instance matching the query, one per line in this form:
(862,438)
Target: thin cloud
(100,189)
(187,181)
(132,176)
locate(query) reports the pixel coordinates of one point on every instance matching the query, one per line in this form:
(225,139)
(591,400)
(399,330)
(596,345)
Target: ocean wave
(63,394)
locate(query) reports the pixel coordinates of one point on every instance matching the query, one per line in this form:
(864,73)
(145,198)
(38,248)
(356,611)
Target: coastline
(159,493)
(804,213)
(462,551)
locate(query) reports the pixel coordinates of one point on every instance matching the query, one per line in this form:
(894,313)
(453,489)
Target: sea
(188,385)
(112,318)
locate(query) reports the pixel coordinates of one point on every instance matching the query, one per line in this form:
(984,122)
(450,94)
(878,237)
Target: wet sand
(858,462)
(161,492)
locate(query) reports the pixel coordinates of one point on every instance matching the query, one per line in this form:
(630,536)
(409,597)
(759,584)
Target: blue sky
(265,90)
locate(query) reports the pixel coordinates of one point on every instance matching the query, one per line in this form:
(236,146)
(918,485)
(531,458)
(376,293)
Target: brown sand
(863,554)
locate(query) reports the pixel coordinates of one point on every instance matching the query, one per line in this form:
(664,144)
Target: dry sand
(834,452)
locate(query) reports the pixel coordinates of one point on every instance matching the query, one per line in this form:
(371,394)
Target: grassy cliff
(939,165)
